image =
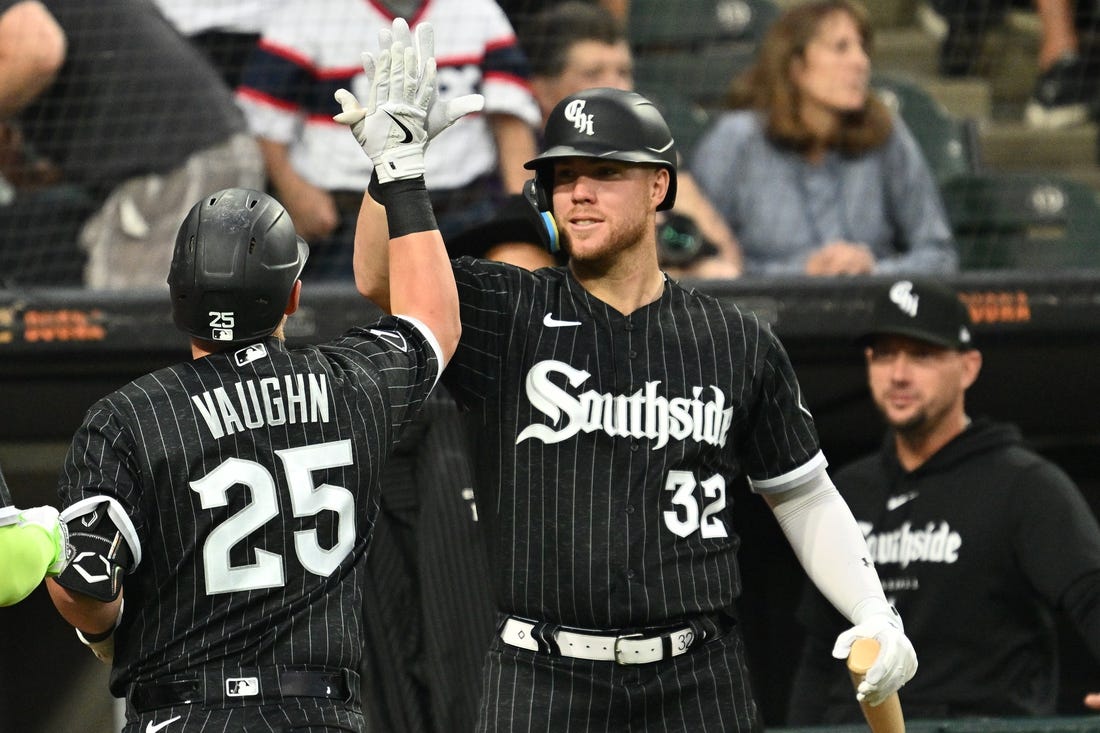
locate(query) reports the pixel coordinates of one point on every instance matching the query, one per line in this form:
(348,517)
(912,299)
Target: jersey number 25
(305,500)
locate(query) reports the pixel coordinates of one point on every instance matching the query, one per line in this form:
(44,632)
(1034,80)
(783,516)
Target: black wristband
(95,638)
(408,207)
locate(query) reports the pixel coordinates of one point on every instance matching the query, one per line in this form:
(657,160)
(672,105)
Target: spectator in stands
(225,31)
(1065,91)
(978,540)
(127,109)
(812,172)
(308,51)
(519,12)
(693,238)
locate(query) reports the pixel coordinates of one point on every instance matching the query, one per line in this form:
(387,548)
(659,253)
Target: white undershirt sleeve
(830,546)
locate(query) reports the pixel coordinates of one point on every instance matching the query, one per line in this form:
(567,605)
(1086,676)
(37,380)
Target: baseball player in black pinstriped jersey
(616,407)
(231,498)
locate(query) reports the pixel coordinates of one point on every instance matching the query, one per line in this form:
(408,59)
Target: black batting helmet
(610,124)
(236,260)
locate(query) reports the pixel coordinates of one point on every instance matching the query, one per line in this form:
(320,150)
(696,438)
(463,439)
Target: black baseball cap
(925,311)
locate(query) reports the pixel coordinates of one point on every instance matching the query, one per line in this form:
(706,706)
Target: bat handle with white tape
(885,717)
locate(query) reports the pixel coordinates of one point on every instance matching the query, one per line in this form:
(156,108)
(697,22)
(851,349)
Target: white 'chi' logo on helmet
(574,112)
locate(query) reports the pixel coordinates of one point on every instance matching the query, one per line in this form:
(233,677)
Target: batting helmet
(236,260)
(610,124)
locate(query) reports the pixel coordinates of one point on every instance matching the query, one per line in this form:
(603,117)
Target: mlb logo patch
(250,354)
(242,687)
(221,334)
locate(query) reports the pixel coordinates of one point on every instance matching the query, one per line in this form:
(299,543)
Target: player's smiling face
(604,207)
(916,385)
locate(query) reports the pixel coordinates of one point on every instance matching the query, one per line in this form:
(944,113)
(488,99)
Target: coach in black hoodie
(977,539)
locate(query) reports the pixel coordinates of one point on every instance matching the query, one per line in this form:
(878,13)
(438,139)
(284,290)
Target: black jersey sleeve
(100,463)
(490,298)
(782,439)
(398,352)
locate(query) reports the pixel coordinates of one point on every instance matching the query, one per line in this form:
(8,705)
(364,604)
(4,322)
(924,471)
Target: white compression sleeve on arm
(830,546)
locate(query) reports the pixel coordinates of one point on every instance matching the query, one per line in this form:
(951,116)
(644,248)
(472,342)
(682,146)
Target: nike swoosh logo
(399,123)
(150,728)
(894,502)
(394,338)
(662,149)
(550,322)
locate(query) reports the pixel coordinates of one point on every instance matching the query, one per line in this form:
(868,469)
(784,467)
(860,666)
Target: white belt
(624,649)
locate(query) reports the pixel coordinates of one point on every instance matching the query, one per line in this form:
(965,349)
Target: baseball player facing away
(616,407)
(230,498)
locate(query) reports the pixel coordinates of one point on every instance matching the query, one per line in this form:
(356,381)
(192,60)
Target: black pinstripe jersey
(250,478)
(609,442)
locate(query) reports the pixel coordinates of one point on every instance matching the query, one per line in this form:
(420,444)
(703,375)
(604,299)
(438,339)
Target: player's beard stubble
(595,256)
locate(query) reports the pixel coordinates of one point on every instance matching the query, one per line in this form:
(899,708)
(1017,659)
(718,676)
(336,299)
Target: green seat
(949,144)
(1026,221)
(664,25)
(702,76)
(694,49)
(686,119)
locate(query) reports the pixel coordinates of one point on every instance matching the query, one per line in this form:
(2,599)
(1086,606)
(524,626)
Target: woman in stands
(813,173)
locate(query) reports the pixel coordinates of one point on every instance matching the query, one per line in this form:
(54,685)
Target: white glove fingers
(401,33)
(425,91)
(888,662)
(351,111)
(374,73)
(385,38)
(464,105)
(843,646)
(425,47)
(412,78)
(397,74)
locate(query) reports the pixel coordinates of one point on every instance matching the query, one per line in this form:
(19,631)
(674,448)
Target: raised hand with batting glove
(402,111)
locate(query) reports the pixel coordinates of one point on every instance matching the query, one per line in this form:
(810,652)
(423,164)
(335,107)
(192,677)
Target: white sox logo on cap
(901,294)
(574,112)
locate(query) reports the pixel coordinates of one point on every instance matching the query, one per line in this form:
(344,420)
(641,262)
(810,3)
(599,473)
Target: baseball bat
(885,717)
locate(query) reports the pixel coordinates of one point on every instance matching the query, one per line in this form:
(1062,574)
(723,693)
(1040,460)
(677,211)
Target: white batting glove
(896,662)
(402,111)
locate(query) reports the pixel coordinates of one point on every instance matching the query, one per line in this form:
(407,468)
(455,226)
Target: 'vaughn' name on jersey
(271,401)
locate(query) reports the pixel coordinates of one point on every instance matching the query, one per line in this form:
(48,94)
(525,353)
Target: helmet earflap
(537,193)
